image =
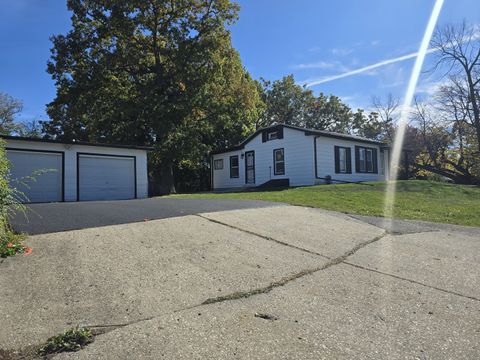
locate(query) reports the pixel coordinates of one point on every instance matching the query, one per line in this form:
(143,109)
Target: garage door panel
(106,178)
(38,175)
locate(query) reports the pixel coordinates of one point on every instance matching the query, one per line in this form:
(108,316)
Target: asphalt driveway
(55,217)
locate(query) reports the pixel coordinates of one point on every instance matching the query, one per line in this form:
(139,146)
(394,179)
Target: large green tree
(160,72)
(289,103)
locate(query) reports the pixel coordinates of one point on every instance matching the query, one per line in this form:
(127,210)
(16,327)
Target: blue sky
(312,39)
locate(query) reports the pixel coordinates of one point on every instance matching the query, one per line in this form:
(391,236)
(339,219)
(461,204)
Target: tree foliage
(289,103)
(160,72)
(9,108)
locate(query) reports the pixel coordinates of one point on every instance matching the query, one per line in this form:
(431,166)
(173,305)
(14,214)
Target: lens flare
(404,111)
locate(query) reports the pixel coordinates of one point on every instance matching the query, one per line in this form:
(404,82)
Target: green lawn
(418,200)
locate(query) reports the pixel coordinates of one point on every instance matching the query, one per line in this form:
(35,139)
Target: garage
(37,174)
(47,170)
(104,177)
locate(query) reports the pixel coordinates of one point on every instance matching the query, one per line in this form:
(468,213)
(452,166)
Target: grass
(415,199)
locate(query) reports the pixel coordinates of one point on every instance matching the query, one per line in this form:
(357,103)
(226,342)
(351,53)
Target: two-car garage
(51,171)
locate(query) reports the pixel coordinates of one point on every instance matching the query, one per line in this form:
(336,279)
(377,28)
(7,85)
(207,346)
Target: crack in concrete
(31,352)
(283,281)
(263,236)
(263,290)
(411,281)
(118,325)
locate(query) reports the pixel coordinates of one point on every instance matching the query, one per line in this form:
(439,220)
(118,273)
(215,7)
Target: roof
(122,146)
(307,132)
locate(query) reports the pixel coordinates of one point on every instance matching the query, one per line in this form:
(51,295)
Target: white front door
(103,177)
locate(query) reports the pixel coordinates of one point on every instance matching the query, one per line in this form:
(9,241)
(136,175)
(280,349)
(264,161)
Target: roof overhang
(53,141)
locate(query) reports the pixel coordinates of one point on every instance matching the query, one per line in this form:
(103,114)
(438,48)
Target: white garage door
(105,177)
(45,167)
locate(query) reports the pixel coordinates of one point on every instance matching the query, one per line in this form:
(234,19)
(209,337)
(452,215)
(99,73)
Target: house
(76,171)
(282,155)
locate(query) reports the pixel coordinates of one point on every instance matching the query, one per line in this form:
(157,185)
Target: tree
(289,103)
(286,102)
(160,72)
(368,125)
(9,108)
(328,113)
(386,113)
(459,51)
(445,148)
(30,128)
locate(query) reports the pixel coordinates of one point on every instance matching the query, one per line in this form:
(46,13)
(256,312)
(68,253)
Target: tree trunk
(465,179)
(475,107)
(166,183)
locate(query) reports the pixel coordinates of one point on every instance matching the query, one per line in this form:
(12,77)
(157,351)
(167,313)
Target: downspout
(211,173)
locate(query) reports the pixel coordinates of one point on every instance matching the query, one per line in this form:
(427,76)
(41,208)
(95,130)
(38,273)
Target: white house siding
(298,154)
(71,151)
(221,178)
(326,160)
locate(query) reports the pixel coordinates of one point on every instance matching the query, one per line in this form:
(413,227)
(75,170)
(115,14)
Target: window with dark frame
(272,135)
(366,160)
(218,164)
(279,162)
(234,169)
(343,160)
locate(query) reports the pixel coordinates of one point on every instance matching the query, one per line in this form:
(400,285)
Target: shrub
(10,202)
(70,340)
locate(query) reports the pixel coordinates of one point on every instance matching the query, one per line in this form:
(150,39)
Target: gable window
(366,160)
(272,135)
(218,164)
(343,160)
(234,171)
(279,162)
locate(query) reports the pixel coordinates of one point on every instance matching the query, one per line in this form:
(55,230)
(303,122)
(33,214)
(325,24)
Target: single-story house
(294,156)
(76,171)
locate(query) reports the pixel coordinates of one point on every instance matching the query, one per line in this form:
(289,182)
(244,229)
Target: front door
(250,167)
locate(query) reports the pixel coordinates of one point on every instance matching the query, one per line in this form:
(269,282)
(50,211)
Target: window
(366,160)
(369,160)
(234,171)
(278,162)
(218,164)
(272,135)
(343,162)
(382,162)
(362,159)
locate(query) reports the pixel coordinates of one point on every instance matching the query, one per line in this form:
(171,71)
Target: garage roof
(22,138)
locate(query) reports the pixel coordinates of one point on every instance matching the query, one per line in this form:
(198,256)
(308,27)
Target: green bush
(10,202)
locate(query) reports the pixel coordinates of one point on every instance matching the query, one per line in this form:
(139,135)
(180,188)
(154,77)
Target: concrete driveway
(279,282)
